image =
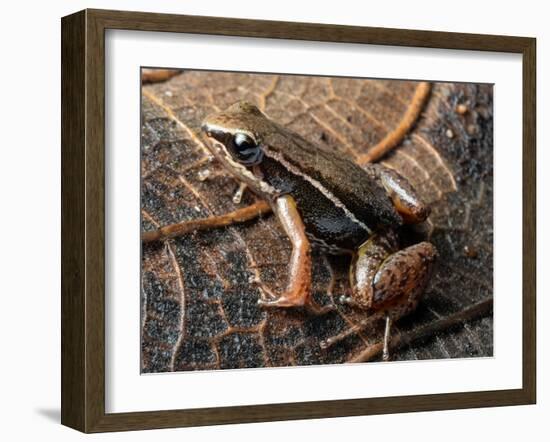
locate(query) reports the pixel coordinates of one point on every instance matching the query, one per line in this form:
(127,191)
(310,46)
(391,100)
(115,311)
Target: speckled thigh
(402,279)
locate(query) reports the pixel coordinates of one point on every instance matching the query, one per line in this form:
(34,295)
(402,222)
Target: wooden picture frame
(83,218)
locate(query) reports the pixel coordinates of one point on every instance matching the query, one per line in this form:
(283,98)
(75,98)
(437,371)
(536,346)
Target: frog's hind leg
(400,283)
(387,284)
(402,278)
(404,197)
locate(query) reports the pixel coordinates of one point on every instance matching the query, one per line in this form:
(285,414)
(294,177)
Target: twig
(238,216)
(157,75)
(400,340)
(394,137)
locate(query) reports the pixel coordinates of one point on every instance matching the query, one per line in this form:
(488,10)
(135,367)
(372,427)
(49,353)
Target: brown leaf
(198,300)
(157,75)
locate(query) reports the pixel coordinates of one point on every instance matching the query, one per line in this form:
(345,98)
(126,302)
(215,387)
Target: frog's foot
(300,297)
(285,300)
(298,294)
(296,300)
(266,294)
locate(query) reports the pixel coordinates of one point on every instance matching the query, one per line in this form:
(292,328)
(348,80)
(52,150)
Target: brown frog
(324,199)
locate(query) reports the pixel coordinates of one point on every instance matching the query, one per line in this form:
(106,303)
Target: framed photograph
(267,221)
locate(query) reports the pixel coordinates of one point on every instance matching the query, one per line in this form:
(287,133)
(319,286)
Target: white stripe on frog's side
(327,193)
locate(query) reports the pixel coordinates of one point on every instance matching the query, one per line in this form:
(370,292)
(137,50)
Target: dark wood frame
(83,216)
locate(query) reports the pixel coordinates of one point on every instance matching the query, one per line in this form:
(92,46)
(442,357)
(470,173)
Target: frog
(323,199)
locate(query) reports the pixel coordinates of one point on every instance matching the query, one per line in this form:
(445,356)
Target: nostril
(205,129)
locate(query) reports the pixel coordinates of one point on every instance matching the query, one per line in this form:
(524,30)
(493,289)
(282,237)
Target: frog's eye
(245,149)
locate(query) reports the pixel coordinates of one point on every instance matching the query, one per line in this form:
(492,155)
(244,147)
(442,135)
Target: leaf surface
(199,306)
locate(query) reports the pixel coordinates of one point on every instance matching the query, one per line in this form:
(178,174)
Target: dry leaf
(199,306)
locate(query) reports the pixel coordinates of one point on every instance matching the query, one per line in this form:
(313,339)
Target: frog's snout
(206,129)
(211,132)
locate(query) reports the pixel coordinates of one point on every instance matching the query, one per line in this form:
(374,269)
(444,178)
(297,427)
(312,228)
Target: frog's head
(236,140)
(238,132)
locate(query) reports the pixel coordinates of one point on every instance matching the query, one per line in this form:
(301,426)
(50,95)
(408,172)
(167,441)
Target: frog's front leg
(298,292)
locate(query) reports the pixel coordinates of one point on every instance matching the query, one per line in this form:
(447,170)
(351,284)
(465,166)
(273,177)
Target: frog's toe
(349,301)
(345,299)
(283,301)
